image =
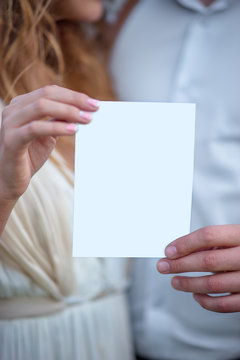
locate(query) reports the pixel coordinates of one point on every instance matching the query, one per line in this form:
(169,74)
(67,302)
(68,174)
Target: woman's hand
(213,249)
(27,138)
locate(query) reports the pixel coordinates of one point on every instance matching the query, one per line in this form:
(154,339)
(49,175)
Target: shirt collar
(196,5)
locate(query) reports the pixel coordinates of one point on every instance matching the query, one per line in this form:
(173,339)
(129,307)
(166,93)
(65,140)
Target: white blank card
(133,179)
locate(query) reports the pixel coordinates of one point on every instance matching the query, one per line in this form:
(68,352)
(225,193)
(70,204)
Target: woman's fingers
(27,138)
(223,304)
(210,260)
(59,94)
(36,129)
(204,238)
(43,108)
(50,101)
(210,284)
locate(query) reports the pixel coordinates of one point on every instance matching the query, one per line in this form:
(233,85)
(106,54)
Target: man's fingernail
(176,283)
(196,297)
(163,267)
(94,102)
(171,251)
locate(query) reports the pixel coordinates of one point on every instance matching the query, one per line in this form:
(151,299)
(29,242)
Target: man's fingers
(210,260)
(210,284)
(204,238)
(222,304)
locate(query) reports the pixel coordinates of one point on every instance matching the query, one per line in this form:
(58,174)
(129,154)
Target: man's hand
(213,249)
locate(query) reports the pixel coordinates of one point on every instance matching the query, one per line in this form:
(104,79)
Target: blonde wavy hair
(36,50)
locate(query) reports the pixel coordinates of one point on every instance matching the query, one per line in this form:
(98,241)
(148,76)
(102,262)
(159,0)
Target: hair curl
(36,51)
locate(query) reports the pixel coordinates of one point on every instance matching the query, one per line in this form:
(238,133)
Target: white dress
(51,305)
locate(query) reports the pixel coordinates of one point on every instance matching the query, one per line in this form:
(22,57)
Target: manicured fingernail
(163,267)
(176,283)
(85,115)
(171,251)
(94,102)
(72,128)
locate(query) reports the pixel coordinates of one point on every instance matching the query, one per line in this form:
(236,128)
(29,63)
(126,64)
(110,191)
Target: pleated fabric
(82,313)
(96,330)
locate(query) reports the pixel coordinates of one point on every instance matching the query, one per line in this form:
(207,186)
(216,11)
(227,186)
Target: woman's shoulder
(1,109)
(113,9)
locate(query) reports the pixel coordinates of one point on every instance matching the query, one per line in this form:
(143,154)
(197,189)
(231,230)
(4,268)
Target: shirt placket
(186,81)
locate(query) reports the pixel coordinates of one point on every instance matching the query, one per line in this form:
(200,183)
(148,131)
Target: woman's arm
(27,138)
(6,207)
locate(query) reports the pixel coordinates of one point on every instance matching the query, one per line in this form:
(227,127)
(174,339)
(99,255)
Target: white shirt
(181,51)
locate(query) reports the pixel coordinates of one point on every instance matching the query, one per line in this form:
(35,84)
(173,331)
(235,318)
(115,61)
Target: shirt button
(183,83)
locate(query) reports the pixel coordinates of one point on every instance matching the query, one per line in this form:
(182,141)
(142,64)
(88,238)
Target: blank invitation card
(133,179)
